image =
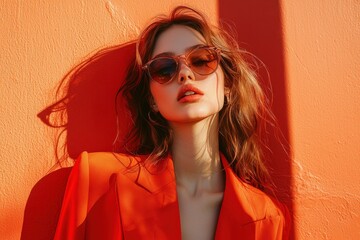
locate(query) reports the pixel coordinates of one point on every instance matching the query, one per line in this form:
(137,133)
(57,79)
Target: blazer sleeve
(71,223)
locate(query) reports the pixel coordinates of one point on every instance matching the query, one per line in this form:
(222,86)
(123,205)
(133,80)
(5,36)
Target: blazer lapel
(246,212)
(235,214)
(148,202)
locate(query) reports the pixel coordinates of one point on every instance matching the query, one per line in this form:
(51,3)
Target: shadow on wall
(259,29)
(43,206)
(85,110)
(85,117)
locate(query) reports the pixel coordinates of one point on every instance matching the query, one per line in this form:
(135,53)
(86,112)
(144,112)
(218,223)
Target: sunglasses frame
(185,57)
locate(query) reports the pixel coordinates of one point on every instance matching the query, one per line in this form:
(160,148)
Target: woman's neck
(195,153)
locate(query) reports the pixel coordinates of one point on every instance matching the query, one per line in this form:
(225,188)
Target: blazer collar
(155,179)
(160,214)
(236,204)
(236,208)
(160,179)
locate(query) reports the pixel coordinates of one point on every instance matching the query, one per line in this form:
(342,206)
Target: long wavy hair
(240,120)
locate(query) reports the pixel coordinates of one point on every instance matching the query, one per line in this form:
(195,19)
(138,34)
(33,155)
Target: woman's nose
(185,72)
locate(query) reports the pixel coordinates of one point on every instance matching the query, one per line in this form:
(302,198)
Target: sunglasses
(202,60)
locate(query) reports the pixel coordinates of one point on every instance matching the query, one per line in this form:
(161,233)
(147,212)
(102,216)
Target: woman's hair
(240,119)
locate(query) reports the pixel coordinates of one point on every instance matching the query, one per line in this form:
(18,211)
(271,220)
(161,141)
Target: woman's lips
(190,98)
(189,93)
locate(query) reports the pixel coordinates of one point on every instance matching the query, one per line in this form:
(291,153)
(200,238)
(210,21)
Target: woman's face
(171,98)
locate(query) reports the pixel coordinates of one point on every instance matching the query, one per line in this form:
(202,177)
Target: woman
(193,169)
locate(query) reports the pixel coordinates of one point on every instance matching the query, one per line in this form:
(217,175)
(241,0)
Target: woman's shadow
(84,115)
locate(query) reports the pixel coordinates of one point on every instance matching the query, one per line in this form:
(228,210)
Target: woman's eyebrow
(166,54)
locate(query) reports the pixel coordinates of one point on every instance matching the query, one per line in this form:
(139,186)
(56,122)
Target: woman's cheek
(162,97)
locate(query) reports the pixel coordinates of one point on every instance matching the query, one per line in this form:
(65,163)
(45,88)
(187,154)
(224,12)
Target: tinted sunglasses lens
(204,61)
(162,70)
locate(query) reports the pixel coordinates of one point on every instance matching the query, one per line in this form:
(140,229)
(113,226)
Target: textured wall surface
(42,40)
(322,65)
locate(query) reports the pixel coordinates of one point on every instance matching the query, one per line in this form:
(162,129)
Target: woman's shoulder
(108,161)
(97,171)
(258,204)
(264,205)
(262,209)
(98,167)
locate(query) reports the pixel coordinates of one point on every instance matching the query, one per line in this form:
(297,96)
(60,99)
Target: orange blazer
(111,196)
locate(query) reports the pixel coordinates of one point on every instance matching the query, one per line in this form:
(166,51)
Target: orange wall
(316,45)
(322,53)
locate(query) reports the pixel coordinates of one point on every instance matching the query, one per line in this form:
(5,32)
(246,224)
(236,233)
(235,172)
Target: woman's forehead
(177,39)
